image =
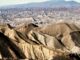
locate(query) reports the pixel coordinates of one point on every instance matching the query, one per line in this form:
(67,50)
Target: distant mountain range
(47,4)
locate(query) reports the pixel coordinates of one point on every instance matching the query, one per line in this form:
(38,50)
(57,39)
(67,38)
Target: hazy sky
(11,2)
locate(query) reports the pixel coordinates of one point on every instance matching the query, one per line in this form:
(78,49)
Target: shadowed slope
(9,45)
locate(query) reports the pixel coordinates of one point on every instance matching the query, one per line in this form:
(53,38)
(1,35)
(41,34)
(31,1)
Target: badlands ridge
(59,41)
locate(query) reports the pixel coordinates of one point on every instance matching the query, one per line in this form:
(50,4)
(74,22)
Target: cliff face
(56,41)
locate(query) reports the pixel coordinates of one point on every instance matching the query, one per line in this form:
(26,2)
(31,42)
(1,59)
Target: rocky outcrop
(53,42)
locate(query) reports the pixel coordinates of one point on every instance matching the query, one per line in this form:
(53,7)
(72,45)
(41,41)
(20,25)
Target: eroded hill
(59,41)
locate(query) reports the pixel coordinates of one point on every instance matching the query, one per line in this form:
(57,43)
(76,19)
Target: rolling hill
(47,4)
